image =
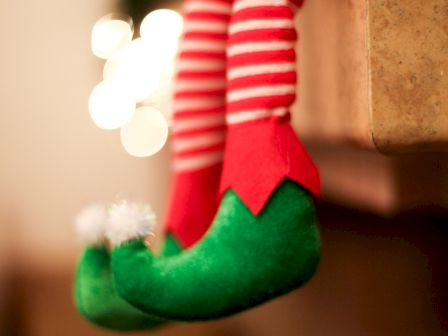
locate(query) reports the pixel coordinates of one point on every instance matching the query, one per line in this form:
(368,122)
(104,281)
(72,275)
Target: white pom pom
(91,224)
(129,221)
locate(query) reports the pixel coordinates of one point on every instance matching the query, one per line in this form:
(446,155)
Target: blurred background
(383,218)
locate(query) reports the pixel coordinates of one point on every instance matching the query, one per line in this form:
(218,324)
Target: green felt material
(171,246)
(97,299)
(243,260)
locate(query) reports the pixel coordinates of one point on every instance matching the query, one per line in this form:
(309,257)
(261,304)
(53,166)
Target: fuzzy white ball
(91,223)
(129,221)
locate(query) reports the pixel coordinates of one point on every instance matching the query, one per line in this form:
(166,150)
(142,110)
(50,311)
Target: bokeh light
(111,105)
(110,34)
(162,22)
(138,66)
(146,133)
(138,71)
(163,28)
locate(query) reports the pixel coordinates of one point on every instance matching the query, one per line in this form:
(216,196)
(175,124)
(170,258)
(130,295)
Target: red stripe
(263,35)
(203,54)
(262,57)
(204,15)
(194,152)
(217,1)
(200,130)
(260,12)
(181,114)
(283,118)
(263,79)
(204,35)
(199,93)
(260,102)
(200,74)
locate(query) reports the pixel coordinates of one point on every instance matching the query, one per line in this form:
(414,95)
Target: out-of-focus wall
(53,159)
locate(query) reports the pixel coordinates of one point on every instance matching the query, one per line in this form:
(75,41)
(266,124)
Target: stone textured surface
(374,73)
(408,45)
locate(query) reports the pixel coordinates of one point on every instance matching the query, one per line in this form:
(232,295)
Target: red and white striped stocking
(199,119)
(262,76)
(255,256)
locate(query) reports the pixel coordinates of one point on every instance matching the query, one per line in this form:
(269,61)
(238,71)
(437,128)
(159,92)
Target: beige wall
(53,159)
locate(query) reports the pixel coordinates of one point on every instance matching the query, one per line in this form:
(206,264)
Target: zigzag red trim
(259,156)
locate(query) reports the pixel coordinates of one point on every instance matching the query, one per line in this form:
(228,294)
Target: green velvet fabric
(243,260)
(96,298)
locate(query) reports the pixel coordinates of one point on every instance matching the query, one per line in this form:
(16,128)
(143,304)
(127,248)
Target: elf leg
(264,241)
(199,125)
(198,141)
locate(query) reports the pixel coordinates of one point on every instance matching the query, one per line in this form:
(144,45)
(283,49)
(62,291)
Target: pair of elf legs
(263,241)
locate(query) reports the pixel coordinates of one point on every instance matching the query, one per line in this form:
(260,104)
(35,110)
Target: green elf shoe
(192,205)
(244,260)
(263,242)
(95,296)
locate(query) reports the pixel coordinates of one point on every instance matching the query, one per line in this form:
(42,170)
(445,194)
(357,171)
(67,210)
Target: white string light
(138,66)
(162,20)
(110,105)
(146,133)
(110,34)
(136,71)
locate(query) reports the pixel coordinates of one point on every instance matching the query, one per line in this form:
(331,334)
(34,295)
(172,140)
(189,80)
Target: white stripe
(207,6)
(182,85)
(193,123)
(198,104)
(260,91)
(198,161)
(252,70)
(244,116)
(243,4)
(197,141)
(205,26)
(200,65)
(251,47)
(203,44)
(260,24)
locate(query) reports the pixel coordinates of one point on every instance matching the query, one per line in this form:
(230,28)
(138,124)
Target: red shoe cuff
(261,155)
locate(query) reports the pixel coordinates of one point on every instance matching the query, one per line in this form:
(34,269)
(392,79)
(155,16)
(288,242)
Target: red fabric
(279,78)
(192,204)
(259,155)
(265,10)
(270,102)
(267,57)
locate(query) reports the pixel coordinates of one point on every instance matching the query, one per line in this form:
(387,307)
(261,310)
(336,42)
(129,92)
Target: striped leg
(264,241)
(261,69)
(199,119)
